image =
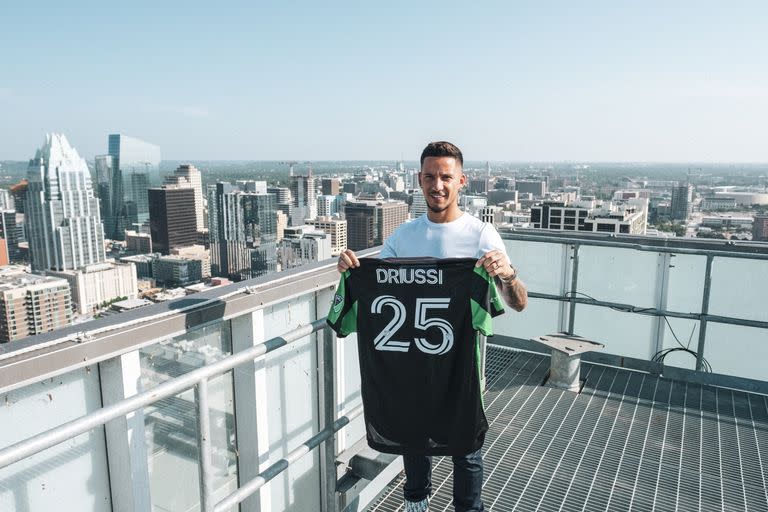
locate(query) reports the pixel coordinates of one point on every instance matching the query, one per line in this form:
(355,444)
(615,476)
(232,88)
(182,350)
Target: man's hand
(496,264)
(347,260)
(513,291)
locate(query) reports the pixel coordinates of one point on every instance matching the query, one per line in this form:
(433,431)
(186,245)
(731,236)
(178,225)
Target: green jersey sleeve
(342,316)
(485,302)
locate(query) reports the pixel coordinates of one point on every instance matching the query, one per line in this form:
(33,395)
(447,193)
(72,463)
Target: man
(447,232)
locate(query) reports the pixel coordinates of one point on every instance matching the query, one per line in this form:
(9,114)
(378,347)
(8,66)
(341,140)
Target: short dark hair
(442,148)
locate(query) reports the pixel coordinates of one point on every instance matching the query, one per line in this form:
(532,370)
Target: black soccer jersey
(416,323)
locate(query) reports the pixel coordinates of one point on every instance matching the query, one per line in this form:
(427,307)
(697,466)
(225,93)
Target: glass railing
(642,297)
(636,298)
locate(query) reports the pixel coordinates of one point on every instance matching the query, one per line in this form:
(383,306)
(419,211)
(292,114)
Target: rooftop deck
(628,441)
(91,429)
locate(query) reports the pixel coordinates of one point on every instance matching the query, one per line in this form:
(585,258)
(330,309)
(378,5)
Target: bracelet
(508,280)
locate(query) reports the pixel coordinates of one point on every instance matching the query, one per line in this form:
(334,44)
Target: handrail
(253,485)
(568,238)
(56,435)
(630,308)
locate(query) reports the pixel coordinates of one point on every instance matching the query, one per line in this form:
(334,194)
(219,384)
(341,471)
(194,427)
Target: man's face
(441,178)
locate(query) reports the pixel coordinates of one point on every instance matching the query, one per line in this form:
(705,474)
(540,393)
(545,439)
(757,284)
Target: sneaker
(417,506)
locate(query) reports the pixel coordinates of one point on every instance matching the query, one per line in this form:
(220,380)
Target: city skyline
(520,82)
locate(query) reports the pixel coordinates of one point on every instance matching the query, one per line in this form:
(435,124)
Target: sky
(652,81)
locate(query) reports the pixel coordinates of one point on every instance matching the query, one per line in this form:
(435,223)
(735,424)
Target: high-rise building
(6,200)
(760,228)
(170,222)
(63,221)
(304,199)
(682,202)
(19,194)
(370,222)
(137,162)
(109,188)
(31,304)
(243,232)
(336,228)
(10,231)
(282,194)
(330,186)
(328,206)
(192,175)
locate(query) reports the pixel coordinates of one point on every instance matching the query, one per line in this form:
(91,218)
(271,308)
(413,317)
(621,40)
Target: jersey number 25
(384,341)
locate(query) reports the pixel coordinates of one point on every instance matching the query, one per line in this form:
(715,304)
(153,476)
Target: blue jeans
(467,480)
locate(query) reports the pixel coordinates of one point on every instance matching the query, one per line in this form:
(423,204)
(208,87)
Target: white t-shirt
(465,237)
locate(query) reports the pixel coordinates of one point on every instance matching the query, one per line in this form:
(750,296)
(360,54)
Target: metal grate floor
(629,441)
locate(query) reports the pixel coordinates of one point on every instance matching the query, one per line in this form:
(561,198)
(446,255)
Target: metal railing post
(662,294)
(327,398)
(574,288)
(704,312)
(204,446)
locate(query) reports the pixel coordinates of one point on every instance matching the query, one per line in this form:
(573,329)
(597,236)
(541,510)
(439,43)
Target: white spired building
(62,214)
(66,237)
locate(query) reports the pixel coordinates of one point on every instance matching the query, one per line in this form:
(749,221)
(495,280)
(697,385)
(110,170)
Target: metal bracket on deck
(565,364)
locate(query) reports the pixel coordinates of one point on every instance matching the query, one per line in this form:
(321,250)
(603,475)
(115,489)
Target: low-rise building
(335,227)
(302,245)
(196,252)
(173,271)
(142,262)
(32,304)
(727,221)
(138,243)
(96,286)
(718,203)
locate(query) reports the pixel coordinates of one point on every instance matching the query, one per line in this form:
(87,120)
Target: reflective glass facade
(138,163)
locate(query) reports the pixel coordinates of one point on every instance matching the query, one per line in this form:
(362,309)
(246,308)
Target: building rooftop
(628,441)
(672,414)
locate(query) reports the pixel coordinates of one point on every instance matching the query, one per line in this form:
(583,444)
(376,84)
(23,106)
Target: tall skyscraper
(170,222)
(682,202)
(370,222)
(109,187)
(19,194)
(10,232)
(191,175)
(138,163)
(6,200)
(243,231)
(64,224)
(304,199)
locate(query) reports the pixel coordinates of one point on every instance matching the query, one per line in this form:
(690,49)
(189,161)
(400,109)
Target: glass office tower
(138,163)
